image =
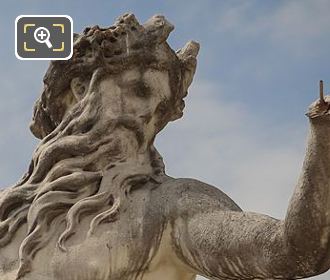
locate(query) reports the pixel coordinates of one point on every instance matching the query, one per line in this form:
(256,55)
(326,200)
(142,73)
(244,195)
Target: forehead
(137,73)
(154,78)
(131,75)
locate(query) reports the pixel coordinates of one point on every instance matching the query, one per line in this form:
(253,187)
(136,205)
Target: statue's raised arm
(231,244)
(96,203)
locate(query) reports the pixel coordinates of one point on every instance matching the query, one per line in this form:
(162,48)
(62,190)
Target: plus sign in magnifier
(42,35)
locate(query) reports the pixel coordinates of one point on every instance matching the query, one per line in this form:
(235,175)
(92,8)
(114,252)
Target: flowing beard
(64,181)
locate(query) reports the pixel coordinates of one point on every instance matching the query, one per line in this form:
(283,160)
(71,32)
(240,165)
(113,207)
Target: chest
(122,249)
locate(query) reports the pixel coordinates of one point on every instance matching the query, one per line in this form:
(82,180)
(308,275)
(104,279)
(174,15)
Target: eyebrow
(131,76)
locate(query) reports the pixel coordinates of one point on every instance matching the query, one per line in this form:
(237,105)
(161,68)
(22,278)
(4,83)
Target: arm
(236,245)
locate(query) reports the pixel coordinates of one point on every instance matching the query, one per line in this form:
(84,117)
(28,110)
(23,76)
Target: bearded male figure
(96,203)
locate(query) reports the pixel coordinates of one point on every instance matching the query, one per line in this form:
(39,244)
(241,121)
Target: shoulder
(185,202)
(190,195)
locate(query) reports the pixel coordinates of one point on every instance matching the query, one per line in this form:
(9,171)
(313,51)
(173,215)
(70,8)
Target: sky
(244,128)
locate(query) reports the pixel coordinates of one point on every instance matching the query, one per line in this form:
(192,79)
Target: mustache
(131,123)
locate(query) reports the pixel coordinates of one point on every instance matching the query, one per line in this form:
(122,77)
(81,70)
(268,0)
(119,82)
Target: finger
(321,92)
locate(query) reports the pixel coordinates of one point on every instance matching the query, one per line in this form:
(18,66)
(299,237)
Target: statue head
(130,66)
(98,114)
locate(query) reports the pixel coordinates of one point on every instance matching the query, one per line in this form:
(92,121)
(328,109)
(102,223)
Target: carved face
(135,93)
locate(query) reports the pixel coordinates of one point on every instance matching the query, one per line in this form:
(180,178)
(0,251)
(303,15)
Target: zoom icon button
(40,37)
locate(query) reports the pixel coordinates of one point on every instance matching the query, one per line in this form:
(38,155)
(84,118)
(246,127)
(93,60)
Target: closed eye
(142,90)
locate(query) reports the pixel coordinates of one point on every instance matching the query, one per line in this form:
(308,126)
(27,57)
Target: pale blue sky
(244,127)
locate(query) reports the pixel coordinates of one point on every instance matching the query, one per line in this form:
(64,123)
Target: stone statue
(96,204)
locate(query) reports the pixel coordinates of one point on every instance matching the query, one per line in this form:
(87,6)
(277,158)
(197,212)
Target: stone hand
(321,106)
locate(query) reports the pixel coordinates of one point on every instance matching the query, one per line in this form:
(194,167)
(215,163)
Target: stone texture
(96,203)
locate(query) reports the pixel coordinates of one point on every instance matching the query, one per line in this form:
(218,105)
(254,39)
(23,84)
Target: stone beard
(96,203)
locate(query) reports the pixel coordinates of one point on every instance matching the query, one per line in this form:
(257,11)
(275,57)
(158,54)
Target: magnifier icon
(41,35)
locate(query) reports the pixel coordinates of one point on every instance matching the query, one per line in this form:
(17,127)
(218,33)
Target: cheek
(142,106)
(143,109)
(111,98)
(159,85)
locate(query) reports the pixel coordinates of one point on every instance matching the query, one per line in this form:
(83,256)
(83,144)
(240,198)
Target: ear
(78,88)
(187,56)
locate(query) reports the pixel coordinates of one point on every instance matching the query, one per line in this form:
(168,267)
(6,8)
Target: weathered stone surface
(96,203)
